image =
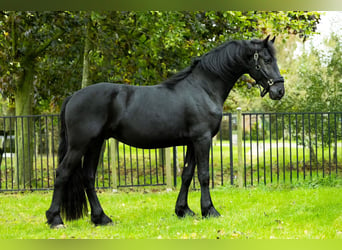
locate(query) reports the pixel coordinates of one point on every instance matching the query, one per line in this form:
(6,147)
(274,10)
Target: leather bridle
(270,81)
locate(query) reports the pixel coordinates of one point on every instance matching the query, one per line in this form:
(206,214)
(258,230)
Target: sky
(331,21)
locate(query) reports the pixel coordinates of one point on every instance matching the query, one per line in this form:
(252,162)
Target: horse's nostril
(277,93)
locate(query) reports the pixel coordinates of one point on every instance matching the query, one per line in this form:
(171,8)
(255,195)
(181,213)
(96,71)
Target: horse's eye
(268,60)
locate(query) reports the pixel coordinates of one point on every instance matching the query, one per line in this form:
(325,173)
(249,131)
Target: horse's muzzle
(277,90)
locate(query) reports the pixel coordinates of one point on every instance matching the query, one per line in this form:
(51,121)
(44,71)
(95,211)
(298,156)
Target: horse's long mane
(219,61)
(223,61)
(176,78)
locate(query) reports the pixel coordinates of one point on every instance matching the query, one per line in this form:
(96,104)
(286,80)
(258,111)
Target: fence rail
(275,148)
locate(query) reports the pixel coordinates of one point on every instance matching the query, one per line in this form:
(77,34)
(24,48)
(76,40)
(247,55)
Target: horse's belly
(151,134)
(148,142)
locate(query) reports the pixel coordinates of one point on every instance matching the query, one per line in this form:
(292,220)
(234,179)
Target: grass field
(252,213)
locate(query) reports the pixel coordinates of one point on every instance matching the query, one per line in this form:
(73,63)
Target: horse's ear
(273,39)
(266,40)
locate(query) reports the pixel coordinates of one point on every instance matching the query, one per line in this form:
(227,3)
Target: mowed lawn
(251,213)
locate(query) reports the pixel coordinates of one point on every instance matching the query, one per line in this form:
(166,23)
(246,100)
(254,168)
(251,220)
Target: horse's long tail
(63,140)
(74,202)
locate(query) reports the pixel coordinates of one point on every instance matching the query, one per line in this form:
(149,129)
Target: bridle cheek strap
(270,82)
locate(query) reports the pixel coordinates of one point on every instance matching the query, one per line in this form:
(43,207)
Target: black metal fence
(276,148)
(28,152)
(291,147)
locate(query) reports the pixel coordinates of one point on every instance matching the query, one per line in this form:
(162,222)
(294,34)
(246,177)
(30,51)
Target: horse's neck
(218,88)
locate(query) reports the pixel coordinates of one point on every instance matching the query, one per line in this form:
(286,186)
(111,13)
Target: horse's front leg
(202,148)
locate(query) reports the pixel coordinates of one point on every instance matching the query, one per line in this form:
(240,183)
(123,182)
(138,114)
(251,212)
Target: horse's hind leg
(63,173)
(91,158)
(182,207)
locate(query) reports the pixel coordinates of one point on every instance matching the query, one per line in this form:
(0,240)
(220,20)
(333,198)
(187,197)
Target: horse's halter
(270,81)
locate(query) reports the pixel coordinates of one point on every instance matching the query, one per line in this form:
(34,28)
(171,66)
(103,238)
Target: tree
(26,39)
(322,75)
(131,47)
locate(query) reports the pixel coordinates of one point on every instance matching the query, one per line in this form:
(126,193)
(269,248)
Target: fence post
(113,149)
(175,166)
(239,147)
(168,168)
(165,160)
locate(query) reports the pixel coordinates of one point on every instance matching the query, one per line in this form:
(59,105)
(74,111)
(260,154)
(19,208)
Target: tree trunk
(312,154)
(85,74)
(335,154)
(24,128)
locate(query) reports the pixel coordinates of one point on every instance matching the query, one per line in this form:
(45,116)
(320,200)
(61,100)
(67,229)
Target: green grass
(254,213)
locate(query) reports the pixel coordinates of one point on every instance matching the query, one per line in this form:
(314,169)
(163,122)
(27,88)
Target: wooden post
(50,143)
(168,169)
(239,147)
(165,160)
(113,149)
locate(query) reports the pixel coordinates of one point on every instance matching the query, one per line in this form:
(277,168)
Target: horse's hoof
(212,212)
(181,213)
(54,220)
(102,220)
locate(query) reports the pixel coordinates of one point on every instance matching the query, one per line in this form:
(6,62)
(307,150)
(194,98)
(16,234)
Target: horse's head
(264,69)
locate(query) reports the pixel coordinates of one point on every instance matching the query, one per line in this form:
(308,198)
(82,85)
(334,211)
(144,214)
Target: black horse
(186,109)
